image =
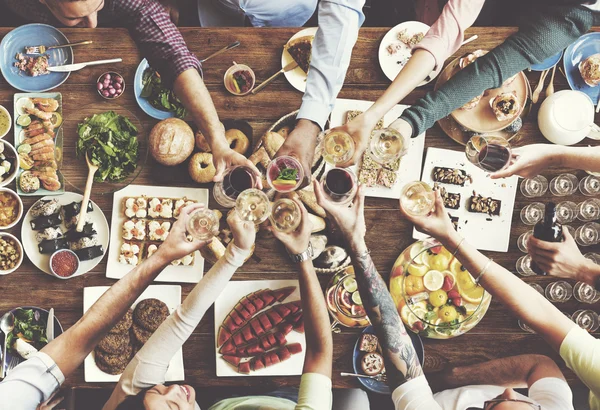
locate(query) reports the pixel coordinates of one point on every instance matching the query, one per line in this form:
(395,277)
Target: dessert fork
(42,49)
(381,377)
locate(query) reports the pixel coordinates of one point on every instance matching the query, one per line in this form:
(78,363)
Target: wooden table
(496,336)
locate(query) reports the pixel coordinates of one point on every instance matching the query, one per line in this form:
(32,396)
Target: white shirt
(550,392)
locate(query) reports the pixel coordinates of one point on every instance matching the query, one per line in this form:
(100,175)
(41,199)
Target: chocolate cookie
(150,313)
(124,324)
(140,334)
(113,363)
(114,343)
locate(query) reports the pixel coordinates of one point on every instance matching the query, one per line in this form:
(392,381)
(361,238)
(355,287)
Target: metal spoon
(550,88)
(86,194)
(540,87)
(7,324)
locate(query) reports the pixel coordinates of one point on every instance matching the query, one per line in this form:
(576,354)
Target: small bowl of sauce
(239,79)
(5,121)
(11,208)
(64,263)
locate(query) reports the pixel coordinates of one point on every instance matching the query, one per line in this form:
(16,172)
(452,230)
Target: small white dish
(19,247)
(12,174)
(5,111)
(56,274)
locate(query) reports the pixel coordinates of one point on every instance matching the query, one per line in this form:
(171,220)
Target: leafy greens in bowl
(159,96)
(111,142)
(29,326)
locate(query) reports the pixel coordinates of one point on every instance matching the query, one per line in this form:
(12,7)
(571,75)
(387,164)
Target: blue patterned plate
(581,49)
(138,86)
(34,35)
(547,63)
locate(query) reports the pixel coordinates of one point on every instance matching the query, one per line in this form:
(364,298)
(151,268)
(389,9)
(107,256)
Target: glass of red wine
(490,153)
(236,180)
(339,184)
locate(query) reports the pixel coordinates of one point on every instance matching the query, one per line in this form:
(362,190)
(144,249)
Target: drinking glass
(588,234)
(235,180)
(417,198)
(203,224)
(534,187)
(585,293)
(387,145)
(285,215)
(589,210)
(538,288)
(338,147)
(339,184)
(285,173)
(586,319)
(533,213)
(564,184)
(253,205)
(590,185)
(594,257)
(559,291)
(522,241)
(566,212)
(524,266)
(489,153)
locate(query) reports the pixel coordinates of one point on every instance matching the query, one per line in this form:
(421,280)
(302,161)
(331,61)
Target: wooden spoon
(86,194)
(550,88)
(540,87)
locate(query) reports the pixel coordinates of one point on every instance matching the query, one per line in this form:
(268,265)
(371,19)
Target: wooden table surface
(497,335)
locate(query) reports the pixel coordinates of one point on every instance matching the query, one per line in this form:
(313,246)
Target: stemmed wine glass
(490,153)
(524,266)
(285,215)
(534,187)
(590,185)
(589,210)
(203,224)
(563,185)
(338,147)
(586,319)
(339,184)
(417,198)
(533,213)
(559,291)
(253,205)
(285,173)
(588,234)
(522,241)
(387,145)
(235,181)
(585,293)
(566,212)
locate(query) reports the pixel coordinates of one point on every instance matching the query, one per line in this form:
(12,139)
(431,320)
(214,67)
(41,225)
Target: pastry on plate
(300,49)
(506,106)
(590,70)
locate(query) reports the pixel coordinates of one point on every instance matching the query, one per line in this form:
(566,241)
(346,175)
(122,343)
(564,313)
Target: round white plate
(296,77)
(393,64)
(30,244)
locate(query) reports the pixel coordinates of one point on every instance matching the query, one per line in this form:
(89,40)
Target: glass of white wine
(253,205)
(285,215)
(387,145)
(338,147)
(417,198)
(203,224)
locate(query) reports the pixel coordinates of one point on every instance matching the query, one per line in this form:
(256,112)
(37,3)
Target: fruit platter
(435,295)
(344,302)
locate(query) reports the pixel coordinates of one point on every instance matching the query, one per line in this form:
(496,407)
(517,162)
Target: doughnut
(237,140)
(201,167)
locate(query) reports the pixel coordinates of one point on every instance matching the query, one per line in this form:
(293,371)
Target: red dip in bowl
(64,263)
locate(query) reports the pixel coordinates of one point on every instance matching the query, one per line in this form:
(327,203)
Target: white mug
(567,117)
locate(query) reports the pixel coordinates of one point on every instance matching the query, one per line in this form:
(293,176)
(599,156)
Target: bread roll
(171,141)
(213,251)
(201,167)
(237,140)
(272,141)
(201,142)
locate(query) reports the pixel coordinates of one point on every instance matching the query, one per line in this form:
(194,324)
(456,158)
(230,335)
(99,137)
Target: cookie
(150,313)
(113,363)
(114,343)
(140,335)
(124,324)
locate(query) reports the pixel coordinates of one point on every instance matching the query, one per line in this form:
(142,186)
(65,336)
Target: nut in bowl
(8,163)
(239,79)
(11,253)
(11,208)
(64,263)
(110,85)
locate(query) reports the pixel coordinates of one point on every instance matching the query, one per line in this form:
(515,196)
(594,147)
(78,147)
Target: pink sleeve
(447,33)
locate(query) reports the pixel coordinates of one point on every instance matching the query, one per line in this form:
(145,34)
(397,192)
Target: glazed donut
(201,167)
(237,140)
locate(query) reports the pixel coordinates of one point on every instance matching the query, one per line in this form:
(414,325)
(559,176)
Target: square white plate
(490,233)
(115,269)
(170,294)
(410,165)
(230,296)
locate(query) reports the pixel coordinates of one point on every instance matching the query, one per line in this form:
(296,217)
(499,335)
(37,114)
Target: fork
(14,361)
(42,49)
(381,377)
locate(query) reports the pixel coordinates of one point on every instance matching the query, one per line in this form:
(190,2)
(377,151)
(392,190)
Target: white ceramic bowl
(228,78)
(20,213)
(19,247)
(52,270)
(12,174)
(5,111)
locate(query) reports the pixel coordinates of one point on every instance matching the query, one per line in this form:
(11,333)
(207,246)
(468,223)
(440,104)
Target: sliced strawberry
(436,249)
(294,348)
(244,368)
(274,316)
(232,360)
(283,293)
(265,322)
(222,336)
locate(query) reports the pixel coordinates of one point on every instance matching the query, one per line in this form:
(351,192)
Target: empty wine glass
(589,210)
(490,153)
(534,187)
(563,185)
(522,241)
(559,291)
(524,326)
(588,234)
(585,293)
(586,319)
(538,288)
(590,185)
(533,213)
(524,266)
(566,212)
(594,257)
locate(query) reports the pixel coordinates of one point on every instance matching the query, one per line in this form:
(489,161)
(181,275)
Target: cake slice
(300,49)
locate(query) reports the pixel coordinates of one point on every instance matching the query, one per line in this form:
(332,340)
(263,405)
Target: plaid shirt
(148,22)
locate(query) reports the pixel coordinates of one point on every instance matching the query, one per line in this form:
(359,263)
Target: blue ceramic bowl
(581,49)
(138,86)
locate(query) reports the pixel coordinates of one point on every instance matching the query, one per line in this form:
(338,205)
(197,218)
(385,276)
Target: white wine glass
(586,319)
(566,212)
(590,185)
(522,241)
(387,145)
(534,187)
(564,184)
(585,293)
(589,210)
(285,215)
(559,291)
(253,205)
(338,147)
(524,266)
(203,224)
(587,234)
(417,198)
(533,213)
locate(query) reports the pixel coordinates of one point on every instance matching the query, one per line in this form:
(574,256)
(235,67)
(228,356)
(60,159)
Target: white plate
(30,244)
(393,64)
(230,296)
(296,77)
(115,269)
(170,294)
(410,166)
(490,233)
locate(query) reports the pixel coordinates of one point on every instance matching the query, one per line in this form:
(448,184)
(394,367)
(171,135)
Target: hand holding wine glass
(359,128)
(297,240)
(530,160)
(244,232)
(436,223)
(178,243)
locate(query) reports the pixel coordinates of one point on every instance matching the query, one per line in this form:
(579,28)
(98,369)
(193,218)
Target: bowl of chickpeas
(11,253)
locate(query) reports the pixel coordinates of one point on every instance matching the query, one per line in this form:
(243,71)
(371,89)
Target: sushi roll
(43,221)
(44,208)
(89,229)
(158,231)
(73,209)
(160,208)
(83,242)
(134,229)
(49,233)
(48,246)
(130,253)
(90,253)
(136,207)
(72,222)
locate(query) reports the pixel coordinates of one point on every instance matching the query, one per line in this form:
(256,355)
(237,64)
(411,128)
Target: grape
(99,86)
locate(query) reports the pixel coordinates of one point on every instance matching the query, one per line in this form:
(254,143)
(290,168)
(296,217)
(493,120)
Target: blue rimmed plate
(34,35)
(372,384)
(547,63)
(581,49)
(138,86)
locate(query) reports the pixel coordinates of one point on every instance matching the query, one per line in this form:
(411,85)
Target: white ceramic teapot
(567,117)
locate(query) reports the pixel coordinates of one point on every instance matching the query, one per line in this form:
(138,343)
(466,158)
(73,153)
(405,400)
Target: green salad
(159,96)
(111,142)
(29,327)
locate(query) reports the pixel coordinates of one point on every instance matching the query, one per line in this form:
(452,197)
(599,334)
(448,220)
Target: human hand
(244,232)
(359,129)
(178,243)
(436,224)
(403,127)
(563,259)
(50,403)
(297,241)
(301,144)
(530,160)
(350,220)
(224,158)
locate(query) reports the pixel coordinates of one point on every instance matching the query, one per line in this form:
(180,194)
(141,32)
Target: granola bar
(484,205)
(352,114)
(369,170)
(386,178)
(451,200)
(394,165)
(453,176)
